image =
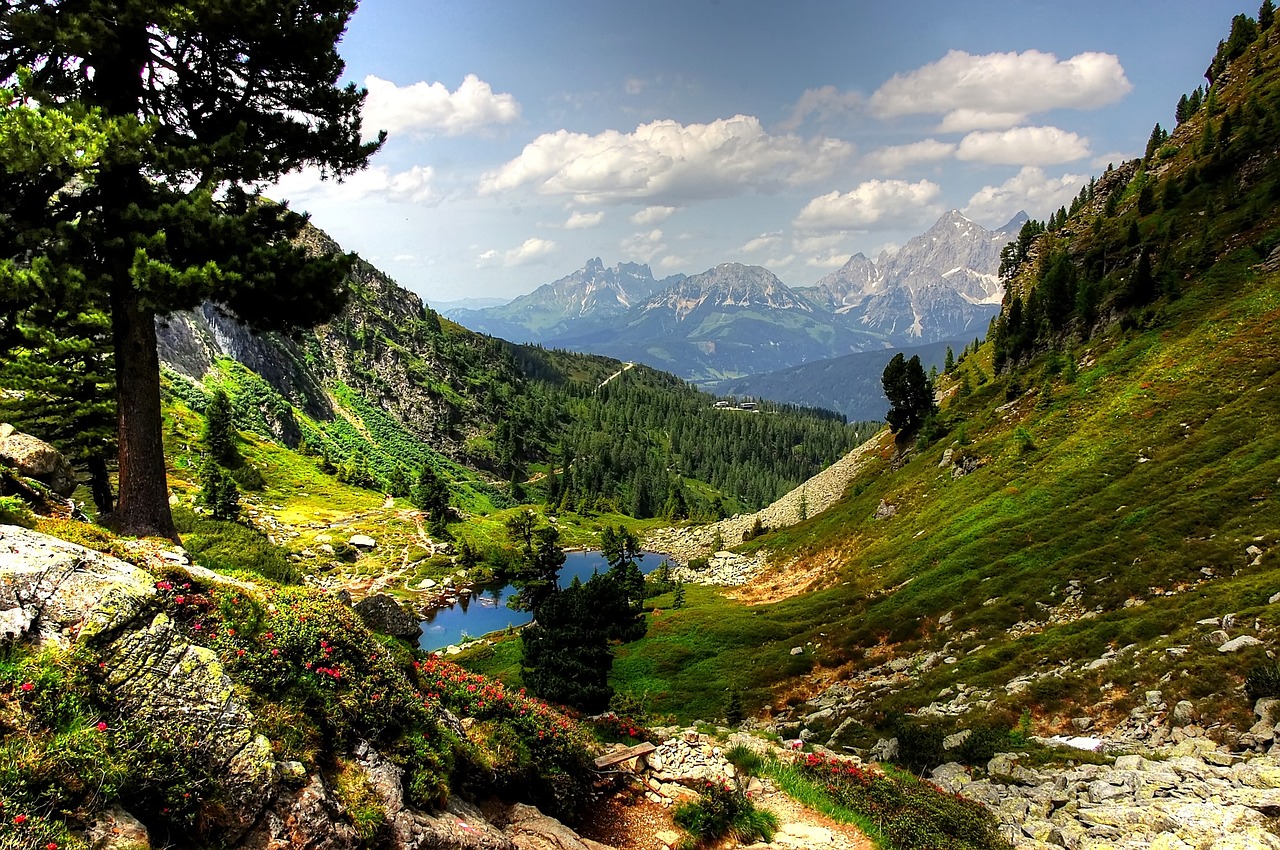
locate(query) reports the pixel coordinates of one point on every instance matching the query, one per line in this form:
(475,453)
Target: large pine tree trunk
(143,505)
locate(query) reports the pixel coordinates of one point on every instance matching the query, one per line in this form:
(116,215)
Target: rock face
(34,458)
(384,614)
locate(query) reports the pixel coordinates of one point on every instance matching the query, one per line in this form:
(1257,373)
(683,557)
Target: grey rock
(1238,643)
(383,613)
(116,829)
(32,457)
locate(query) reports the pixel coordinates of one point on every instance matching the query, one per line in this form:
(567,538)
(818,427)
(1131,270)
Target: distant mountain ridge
(941,285)
(555,309)
(735,320)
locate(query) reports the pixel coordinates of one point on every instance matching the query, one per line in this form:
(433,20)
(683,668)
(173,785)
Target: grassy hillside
(1110,483)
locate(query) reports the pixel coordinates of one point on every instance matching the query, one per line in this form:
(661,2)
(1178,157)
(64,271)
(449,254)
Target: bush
(228,546)
(724,811)
(1263,680)
(14,511)
(247,477)
(919,747)
(913,815)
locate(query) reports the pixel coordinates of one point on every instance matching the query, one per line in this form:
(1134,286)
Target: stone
(1084,724)
(1238,643)
(885,510)
(384,614)
(952,741)
(1184,713)
(802,835)
(797,650)
(886,749)
(363,541)
(116,829)
(31,457)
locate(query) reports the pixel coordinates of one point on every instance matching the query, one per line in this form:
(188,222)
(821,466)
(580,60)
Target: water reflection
(485,610)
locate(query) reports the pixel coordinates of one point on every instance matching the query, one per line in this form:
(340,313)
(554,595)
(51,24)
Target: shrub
(724,811)
(913,815)
(247,477)
(228,546)
(1263,680)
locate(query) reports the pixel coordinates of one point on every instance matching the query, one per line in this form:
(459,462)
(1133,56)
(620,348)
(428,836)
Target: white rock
(1238,643)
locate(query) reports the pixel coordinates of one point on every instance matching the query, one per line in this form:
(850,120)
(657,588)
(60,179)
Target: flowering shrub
(911,814)
(724,810)
(615,728)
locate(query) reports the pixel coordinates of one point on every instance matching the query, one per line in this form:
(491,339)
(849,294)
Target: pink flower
(102,726)
(275,651)
(28,686)
(180,599)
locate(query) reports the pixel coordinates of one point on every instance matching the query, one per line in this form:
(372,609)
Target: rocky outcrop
(31,457)
(384,614)
(1192,796)
(65,593)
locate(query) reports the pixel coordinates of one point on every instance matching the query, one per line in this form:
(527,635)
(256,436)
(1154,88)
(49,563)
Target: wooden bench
(622,755)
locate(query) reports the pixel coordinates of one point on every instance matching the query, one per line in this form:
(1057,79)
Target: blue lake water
(485,610)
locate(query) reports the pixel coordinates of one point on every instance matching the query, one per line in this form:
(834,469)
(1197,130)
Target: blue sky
(526,137)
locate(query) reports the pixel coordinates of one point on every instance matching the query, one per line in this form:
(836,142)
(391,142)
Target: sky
(525,138)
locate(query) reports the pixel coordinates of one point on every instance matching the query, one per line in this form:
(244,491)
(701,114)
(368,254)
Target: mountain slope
(850,384)
(941,285)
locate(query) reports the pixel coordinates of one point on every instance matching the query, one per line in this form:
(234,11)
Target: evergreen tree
(1183,110)
(1266,15)
(219,433)
(537,575)
(1154,141)
(218,492)
(949,362)
(1146,199)
(565,654)
(430,494)
(909,394)
(677,598)
(172,216)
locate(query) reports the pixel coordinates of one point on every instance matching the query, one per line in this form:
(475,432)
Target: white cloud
(643,246)
(827,102)
(665,161)
(872,205)
(827,243)
(1023,146)
(830,260)
(779,262)
(964,120)
(431,108)
(762,242)
(652,215)
(968,88)
(584,221)
(533,248)
(671,262)
(635,85)
(1030,189)
(898,157)
(306,186)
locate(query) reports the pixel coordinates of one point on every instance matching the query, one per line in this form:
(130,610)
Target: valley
(747,600)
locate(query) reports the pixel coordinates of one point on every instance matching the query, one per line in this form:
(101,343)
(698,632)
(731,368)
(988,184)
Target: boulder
(1238,643)
(34,458)
(116,829)
(363,541)
(382,613)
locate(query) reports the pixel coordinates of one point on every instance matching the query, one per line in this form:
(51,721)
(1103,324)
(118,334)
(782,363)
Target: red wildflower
(102,726)
(20,819)
(28,686)
(180,600)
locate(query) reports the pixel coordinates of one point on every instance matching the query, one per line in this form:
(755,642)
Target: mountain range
(736,320)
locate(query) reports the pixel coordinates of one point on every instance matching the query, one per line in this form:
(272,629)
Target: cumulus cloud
(829,260)
(762,242)
(827,102)
(431,108)
(533,248)
(1030,189)
(898,157)
(672,263)
(667,162)
(413,186)
(652,215)
(584,221)
(872,205)
(643,246)
(997,87)
(1023,146)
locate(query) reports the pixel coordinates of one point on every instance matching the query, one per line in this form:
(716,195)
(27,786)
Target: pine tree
(219,433)
(677,598)
(1266,15)
(909,393)
(430,494)
(249,93)
(218,492)
(949,362)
